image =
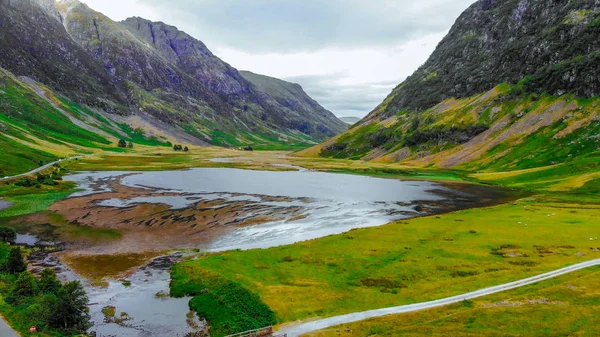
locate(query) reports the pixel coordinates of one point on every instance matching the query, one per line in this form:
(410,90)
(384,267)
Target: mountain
(350,120)
(514,85)
(145,76)
(293,100)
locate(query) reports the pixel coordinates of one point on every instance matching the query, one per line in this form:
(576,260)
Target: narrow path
(39,169)
(6,330)
(298,330)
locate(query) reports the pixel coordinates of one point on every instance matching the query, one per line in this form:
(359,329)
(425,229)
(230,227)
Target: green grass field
(565,306)
(400,263)
(412,261)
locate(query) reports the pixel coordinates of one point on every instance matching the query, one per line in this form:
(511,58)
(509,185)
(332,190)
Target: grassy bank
(228,306)
(565,306)
(35,193)
(32,196)
(412,261)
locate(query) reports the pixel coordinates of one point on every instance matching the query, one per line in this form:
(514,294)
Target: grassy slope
(566,306)
(35,130)
(524,131)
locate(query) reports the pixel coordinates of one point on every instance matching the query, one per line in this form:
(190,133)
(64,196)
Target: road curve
(6,330)
(298,330)
(39,169)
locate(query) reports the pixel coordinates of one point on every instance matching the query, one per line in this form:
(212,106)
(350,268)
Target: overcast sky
(347,54)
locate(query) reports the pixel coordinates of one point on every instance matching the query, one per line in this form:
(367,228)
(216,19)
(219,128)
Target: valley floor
(401,263)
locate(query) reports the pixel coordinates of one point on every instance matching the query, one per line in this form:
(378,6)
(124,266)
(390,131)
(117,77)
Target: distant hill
(350,120)
(294,100)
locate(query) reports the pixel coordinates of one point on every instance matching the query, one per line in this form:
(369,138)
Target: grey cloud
(304,25)
(344,100)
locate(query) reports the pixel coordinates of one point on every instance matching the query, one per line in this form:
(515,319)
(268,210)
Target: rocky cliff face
(192,56)
(138,67)
(35,44)
(554,42)
(514,84)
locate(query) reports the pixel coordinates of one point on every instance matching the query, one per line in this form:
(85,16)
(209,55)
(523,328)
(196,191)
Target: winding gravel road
(39,169)
(298,330)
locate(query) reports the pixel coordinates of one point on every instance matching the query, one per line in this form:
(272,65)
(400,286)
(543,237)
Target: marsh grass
(101,267)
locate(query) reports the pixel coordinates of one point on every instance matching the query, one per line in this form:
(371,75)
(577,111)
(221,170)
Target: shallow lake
(328,203)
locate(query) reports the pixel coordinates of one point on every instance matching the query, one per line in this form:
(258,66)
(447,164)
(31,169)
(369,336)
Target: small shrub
(527,263)
(384,282)
(26,182)
(287,259)
(7,234)
(464,273)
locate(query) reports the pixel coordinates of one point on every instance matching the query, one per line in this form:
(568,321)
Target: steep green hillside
(151,77)
(37,127)
(513,86)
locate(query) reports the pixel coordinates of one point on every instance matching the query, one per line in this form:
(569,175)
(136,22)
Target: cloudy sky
(347,54)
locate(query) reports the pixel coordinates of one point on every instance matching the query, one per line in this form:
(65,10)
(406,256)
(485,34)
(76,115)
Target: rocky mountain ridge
(552,43)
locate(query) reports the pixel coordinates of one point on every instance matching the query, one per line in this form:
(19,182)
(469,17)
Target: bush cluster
(228,307)
(178,147)
(41,179)
(440,135)
(54,308)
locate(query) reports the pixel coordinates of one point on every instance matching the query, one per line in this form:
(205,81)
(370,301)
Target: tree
(49,284)
(40,311)
(122,143)
(185,149)
(7,234)
(70,313)
(24,287)
(130,145)
(16,264)
(177,147)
